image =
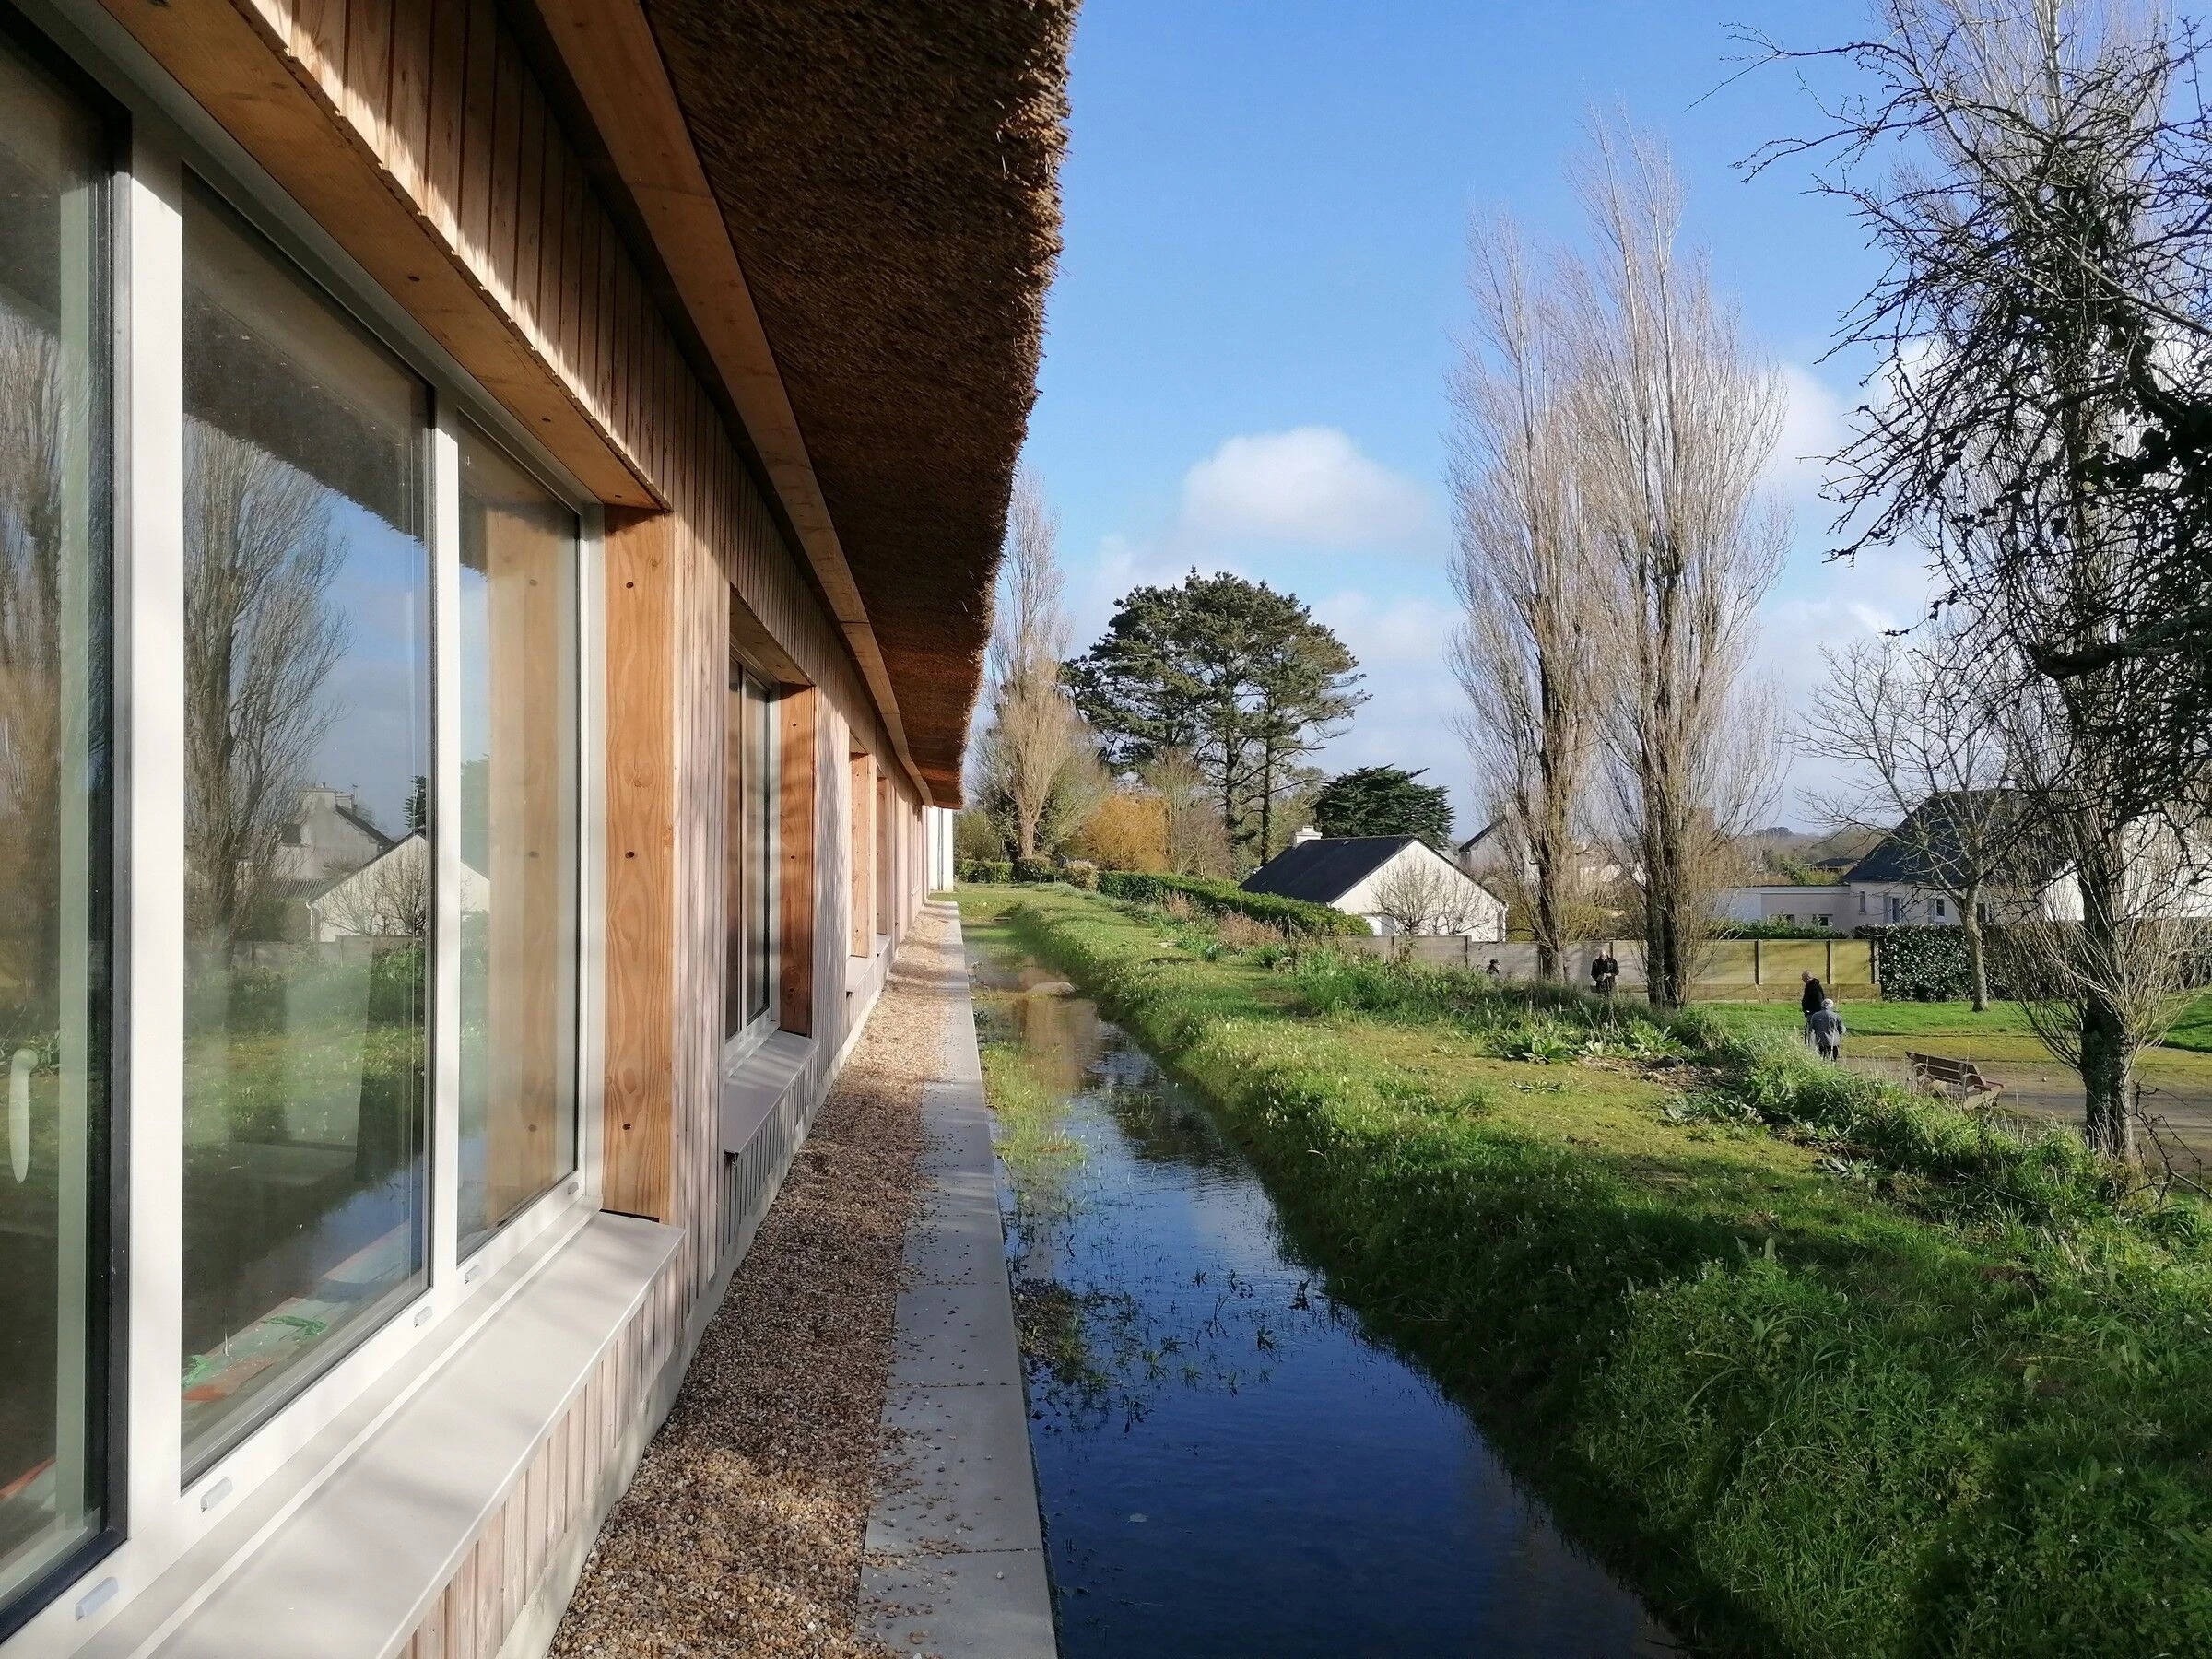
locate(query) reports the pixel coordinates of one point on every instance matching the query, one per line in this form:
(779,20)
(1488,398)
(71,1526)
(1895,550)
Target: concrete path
(954,1560)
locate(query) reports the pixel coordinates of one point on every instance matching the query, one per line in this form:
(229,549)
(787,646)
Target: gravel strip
(742,1533)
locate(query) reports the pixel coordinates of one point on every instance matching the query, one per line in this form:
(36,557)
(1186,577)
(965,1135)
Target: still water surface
(1227,1465)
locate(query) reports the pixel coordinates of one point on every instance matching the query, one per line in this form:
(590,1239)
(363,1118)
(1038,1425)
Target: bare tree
(1675,420)
(1197,837)
(1425,896)
(259,640)
(2043,416)
(42,449)
(1524,572)
(2042,421)
(1921,726)
(1033,757)
(2111,960)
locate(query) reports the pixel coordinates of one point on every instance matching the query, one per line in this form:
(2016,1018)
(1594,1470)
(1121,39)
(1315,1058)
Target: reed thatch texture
(888,172)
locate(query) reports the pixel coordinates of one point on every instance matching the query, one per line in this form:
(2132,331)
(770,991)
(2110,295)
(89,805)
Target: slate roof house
(1354,874)
(1903,878)
(604,412)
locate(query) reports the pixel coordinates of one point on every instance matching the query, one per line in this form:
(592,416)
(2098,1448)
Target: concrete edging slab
(954,1560)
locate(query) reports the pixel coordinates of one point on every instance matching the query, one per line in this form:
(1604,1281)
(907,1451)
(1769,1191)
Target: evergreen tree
(1384,800)
(1235,675)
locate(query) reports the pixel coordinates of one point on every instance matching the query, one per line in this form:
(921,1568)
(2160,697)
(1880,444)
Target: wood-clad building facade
(497,508)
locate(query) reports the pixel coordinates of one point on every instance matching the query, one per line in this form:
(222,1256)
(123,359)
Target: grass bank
(2192,1032)
(1825,1370)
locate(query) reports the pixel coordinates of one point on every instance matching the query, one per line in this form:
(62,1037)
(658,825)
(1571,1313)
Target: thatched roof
(889,170)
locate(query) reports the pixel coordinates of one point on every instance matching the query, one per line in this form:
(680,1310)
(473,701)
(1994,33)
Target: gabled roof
(1925,846)
(1481,835)
(353,816)
(1323,870)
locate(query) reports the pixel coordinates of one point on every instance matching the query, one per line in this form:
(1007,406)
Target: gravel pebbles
(742,1533)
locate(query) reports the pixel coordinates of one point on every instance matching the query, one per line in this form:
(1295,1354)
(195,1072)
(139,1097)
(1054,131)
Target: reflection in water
(1226,1465)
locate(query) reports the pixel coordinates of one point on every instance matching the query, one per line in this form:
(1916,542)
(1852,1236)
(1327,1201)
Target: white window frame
(765,1024)
(162,1517)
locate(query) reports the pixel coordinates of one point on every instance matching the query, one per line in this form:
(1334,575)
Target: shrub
(984,870)
(1773,930)
(1921,963)
(1036,869)
(1081,873)
(1293,916)
(1240,931)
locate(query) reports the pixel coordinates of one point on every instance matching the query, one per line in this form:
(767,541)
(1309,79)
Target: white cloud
(1309,486)
(1815,423)
(1411,695)
(1829,604)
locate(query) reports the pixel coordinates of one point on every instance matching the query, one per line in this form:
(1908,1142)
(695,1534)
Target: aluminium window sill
(756,1085)
(343,1554)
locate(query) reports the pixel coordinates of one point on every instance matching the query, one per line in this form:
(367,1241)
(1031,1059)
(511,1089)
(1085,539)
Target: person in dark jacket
(1604,973)
(1810,1001)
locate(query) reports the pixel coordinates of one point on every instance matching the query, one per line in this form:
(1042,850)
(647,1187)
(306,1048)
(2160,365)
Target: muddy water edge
(1228,1463)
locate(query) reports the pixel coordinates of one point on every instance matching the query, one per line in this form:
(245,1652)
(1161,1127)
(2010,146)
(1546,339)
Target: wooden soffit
(240,71)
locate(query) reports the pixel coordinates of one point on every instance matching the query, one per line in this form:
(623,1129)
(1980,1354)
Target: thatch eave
(888,170)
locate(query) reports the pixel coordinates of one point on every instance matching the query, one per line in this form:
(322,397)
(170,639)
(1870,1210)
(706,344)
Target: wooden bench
(1960,1080)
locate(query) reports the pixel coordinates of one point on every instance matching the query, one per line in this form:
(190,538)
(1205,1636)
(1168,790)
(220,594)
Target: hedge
(1773,930)
(1292,915)
(1925,963)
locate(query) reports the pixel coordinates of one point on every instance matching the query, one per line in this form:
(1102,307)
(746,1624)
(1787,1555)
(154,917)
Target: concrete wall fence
(1733,970)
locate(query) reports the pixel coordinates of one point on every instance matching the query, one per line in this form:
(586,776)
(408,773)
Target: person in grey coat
(1826,1029)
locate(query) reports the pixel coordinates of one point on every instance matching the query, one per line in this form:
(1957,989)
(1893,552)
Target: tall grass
(1827,1369)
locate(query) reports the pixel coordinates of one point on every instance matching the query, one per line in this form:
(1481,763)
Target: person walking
(1826,1026)
(1493,971)
(1810,1000)
(1604,973)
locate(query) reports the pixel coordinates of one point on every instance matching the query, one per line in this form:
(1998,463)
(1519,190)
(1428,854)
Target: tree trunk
(1550,923)
(2108,1083)
(2107,1061)
(1266,802)
(1977,950)
(1662,942)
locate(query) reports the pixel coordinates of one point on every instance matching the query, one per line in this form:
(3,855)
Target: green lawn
(1823,1368)
(1933,1019)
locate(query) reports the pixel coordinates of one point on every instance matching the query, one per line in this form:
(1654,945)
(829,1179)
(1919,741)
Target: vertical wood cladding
(436,97)
(560,1488)
(414,132)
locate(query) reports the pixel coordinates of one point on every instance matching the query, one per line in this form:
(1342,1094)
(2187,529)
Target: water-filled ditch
(1226,1464)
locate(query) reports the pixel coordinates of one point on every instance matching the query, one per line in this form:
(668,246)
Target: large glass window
(55,760)
(307,687)
(518,671)
(749,877)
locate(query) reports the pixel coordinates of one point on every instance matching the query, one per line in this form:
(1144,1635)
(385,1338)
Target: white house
(1800,905)
(326,837)
(389,897)
(1900,880)
(1592,869)
(1397,883)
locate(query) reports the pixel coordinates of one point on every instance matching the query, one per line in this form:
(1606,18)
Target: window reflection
(308,877)
(518,668)
(54,819)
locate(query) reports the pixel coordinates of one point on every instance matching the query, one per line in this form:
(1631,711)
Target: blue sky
(1267,218)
